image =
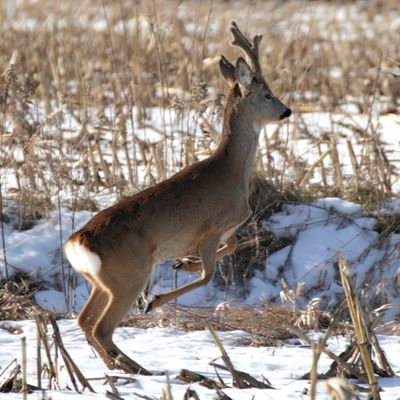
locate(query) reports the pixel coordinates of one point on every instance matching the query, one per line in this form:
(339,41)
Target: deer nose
(286,114)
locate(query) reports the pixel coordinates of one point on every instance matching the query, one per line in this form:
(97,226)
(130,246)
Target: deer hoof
(178,264)
(150,304)
(187,264)
(129,366)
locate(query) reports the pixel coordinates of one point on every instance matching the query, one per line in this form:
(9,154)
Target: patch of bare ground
(390,328)
(265,325)
(17,300)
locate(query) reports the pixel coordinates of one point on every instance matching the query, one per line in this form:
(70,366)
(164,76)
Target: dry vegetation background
(102,98)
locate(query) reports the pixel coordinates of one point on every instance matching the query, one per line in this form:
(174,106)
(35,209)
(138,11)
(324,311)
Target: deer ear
(227,70)
(244,74)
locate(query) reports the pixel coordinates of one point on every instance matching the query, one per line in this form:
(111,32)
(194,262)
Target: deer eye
(268,96)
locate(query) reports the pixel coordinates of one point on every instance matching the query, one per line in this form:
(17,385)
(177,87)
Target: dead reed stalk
(24,388)
(72,369)
(360,327)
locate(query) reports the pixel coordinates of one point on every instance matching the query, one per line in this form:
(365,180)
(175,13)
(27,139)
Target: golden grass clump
(264,326)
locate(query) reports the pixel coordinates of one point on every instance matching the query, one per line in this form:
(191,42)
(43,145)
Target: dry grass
(66,97)
(16,299)
(264,326)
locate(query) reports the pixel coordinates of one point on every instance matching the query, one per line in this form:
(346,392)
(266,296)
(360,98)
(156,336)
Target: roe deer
(195,212)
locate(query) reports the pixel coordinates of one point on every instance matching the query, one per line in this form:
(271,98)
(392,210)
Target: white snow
(169,350)
(320,232)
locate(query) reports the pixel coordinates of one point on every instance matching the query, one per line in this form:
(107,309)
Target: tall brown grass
(88,64)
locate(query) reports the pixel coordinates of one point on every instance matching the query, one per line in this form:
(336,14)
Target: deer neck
(239,142)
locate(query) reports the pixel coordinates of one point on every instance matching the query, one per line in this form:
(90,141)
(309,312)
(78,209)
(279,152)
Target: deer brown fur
(195,212)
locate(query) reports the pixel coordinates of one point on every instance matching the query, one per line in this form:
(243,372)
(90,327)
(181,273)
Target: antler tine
(250,50)
(256,44)
(238,37)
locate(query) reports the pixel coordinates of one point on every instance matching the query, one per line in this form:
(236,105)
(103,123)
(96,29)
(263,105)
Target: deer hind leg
(194,264)
(207,251)
(118,304)
(92,311)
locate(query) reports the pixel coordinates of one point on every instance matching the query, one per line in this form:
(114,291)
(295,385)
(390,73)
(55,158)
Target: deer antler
(249,49)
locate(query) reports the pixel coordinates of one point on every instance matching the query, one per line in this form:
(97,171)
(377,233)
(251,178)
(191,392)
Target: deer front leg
(228,248)
(193,264)
(208,252)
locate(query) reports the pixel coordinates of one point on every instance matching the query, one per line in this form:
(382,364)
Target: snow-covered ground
(318,232)
(169,350)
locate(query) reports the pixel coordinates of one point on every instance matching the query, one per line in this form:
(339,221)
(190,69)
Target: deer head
(255,92)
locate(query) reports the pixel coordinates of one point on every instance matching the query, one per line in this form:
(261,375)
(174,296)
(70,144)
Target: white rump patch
(82,259)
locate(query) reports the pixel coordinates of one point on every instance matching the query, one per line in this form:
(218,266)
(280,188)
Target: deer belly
(175,247)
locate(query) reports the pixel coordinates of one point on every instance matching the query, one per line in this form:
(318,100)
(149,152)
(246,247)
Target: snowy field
(169,350)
